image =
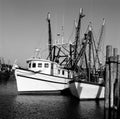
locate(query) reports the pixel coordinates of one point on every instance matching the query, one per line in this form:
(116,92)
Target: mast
(78,32)
(50,36)
(99,43)
(101,35)
(90,45)
(89,51)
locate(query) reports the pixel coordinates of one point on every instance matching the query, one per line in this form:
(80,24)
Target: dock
(112,83)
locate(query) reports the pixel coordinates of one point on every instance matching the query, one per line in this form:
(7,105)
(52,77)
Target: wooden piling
(111,69)
(112,78)
(112,84)
(118,89)
(115,52)
(108,51)
(107,94)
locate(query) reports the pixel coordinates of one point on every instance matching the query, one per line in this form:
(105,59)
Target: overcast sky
(23,25)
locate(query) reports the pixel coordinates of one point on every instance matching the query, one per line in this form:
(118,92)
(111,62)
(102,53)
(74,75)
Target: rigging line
(73,31)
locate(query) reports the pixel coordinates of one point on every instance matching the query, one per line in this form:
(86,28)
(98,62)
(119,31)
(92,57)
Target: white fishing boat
(42,75)
(87,90)
(88,81)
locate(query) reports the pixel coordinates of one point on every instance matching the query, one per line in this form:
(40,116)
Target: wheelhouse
(48,67)
(39,65)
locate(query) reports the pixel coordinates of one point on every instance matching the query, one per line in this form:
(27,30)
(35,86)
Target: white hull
(84,90)
(29,81)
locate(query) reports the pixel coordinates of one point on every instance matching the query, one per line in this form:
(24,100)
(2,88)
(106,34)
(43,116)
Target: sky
(23,25)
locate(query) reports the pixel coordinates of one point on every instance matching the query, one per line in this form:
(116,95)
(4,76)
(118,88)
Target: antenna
(63,29)
(37,52)
(62,34)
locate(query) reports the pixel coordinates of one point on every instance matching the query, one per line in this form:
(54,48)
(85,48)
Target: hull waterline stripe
(41,79)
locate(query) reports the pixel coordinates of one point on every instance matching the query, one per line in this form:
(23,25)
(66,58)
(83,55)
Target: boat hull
(85,90)
(29,81)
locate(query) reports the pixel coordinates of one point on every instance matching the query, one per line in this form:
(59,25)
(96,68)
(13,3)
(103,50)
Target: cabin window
(29,65)
(34,65)
(39,64)
(58,71)
(46,65)
(63,72)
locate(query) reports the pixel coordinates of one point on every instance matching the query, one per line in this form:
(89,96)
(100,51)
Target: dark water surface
(13,106)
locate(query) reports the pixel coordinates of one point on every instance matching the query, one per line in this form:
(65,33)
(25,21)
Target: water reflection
(13,106)
(49,107)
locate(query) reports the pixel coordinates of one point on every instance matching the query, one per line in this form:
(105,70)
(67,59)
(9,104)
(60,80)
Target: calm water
(13,106)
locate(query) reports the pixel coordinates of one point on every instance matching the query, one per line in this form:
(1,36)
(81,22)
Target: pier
(112,83)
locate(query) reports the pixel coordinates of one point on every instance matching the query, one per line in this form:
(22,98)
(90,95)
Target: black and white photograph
(59,59)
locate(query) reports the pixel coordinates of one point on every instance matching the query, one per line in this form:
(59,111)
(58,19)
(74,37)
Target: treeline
(5,72)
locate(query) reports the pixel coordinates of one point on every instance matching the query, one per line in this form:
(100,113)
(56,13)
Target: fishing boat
(43,75)
(88,72)
(85,90)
